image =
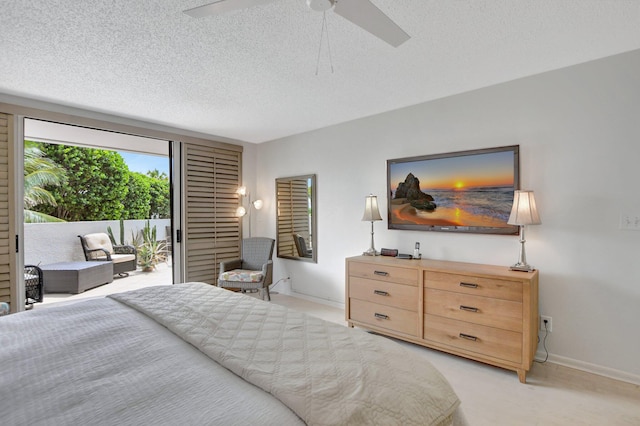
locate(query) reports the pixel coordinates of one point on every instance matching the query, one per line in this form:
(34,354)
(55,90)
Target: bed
(195,354)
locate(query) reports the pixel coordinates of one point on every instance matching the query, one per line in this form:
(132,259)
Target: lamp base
(370,252)
(522,267)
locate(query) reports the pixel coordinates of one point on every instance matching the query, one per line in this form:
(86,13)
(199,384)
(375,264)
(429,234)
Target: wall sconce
(371,213)
(241,211)
(524,212)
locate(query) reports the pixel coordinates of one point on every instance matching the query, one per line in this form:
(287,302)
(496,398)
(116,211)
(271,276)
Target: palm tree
(39,172)
(155,174)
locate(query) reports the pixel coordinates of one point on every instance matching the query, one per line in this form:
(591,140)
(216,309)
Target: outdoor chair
(98,247)
(33,284)
(253,271)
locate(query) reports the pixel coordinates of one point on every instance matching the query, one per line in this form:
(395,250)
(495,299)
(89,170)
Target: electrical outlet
(548,326)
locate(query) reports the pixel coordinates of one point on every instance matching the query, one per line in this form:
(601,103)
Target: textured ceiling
(250,75)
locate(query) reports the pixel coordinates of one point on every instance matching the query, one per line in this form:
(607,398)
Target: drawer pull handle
(468,337)
(381,273)
(380,293)
(381,316)
(468,285)
(468,308)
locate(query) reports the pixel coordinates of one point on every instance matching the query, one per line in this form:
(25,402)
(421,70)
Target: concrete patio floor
(162,275)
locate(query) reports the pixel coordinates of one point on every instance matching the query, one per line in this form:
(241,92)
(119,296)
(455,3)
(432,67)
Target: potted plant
(151,251)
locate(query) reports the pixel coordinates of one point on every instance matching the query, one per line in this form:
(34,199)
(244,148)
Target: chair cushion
(117,258)
(98,240)
(242,275)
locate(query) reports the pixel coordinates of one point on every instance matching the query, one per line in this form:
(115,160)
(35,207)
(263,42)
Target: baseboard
(600,370)
(327,302)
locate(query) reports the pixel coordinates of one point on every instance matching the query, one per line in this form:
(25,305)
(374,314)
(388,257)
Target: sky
(142,163)
(492,169)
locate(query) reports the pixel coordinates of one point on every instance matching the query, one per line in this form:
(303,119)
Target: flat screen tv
(466,191)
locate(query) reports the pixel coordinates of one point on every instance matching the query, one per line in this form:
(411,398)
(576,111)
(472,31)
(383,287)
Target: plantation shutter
(6,228)
(212,231)
(293,214)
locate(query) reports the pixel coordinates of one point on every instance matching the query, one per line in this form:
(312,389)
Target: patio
(162,275)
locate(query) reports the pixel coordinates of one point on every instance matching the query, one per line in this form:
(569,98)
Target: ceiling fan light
(320,5)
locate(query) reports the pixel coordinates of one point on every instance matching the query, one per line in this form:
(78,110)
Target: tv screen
(467,191)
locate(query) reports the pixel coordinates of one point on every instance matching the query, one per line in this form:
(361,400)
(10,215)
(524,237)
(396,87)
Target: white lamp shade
(242,191)
(257,204)
(241,211)
(524,210)
(371,211)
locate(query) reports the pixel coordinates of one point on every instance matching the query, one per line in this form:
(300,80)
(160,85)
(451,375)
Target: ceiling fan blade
(222,6)
(367,16)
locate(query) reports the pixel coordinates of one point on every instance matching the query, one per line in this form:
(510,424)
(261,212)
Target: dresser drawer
(487,287)
(387,317)
(499,313)
(384,293)
(502,344)
(379,272)
(482,312)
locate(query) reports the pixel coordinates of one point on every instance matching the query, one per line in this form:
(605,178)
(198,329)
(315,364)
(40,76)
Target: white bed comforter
(99,362)
(326,373)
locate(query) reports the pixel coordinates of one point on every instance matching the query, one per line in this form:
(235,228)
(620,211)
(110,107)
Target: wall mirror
(296,218)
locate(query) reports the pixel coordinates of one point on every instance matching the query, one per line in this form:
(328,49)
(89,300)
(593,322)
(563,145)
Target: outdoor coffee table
(75,277)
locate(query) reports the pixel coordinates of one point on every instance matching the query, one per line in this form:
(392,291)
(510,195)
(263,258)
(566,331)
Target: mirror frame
(282,246)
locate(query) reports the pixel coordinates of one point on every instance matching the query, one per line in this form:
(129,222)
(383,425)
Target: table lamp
(523,212)
(371,213)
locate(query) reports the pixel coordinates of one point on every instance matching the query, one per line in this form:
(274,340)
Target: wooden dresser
(483,312)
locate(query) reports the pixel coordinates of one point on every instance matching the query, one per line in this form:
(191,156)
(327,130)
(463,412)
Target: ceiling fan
(363,13)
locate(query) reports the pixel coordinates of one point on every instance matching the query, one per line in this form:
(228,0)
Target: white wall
(579,134)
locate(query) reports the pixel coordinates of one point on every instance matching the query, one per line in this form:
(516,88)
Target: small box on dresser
(482,312)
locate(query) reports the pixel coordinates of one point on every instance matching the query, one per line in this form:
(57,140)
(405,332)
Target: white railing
(46,243)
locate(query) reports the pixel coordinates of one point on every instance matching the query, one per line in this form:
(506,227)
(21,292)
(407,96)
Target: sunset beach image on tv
(468,191)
